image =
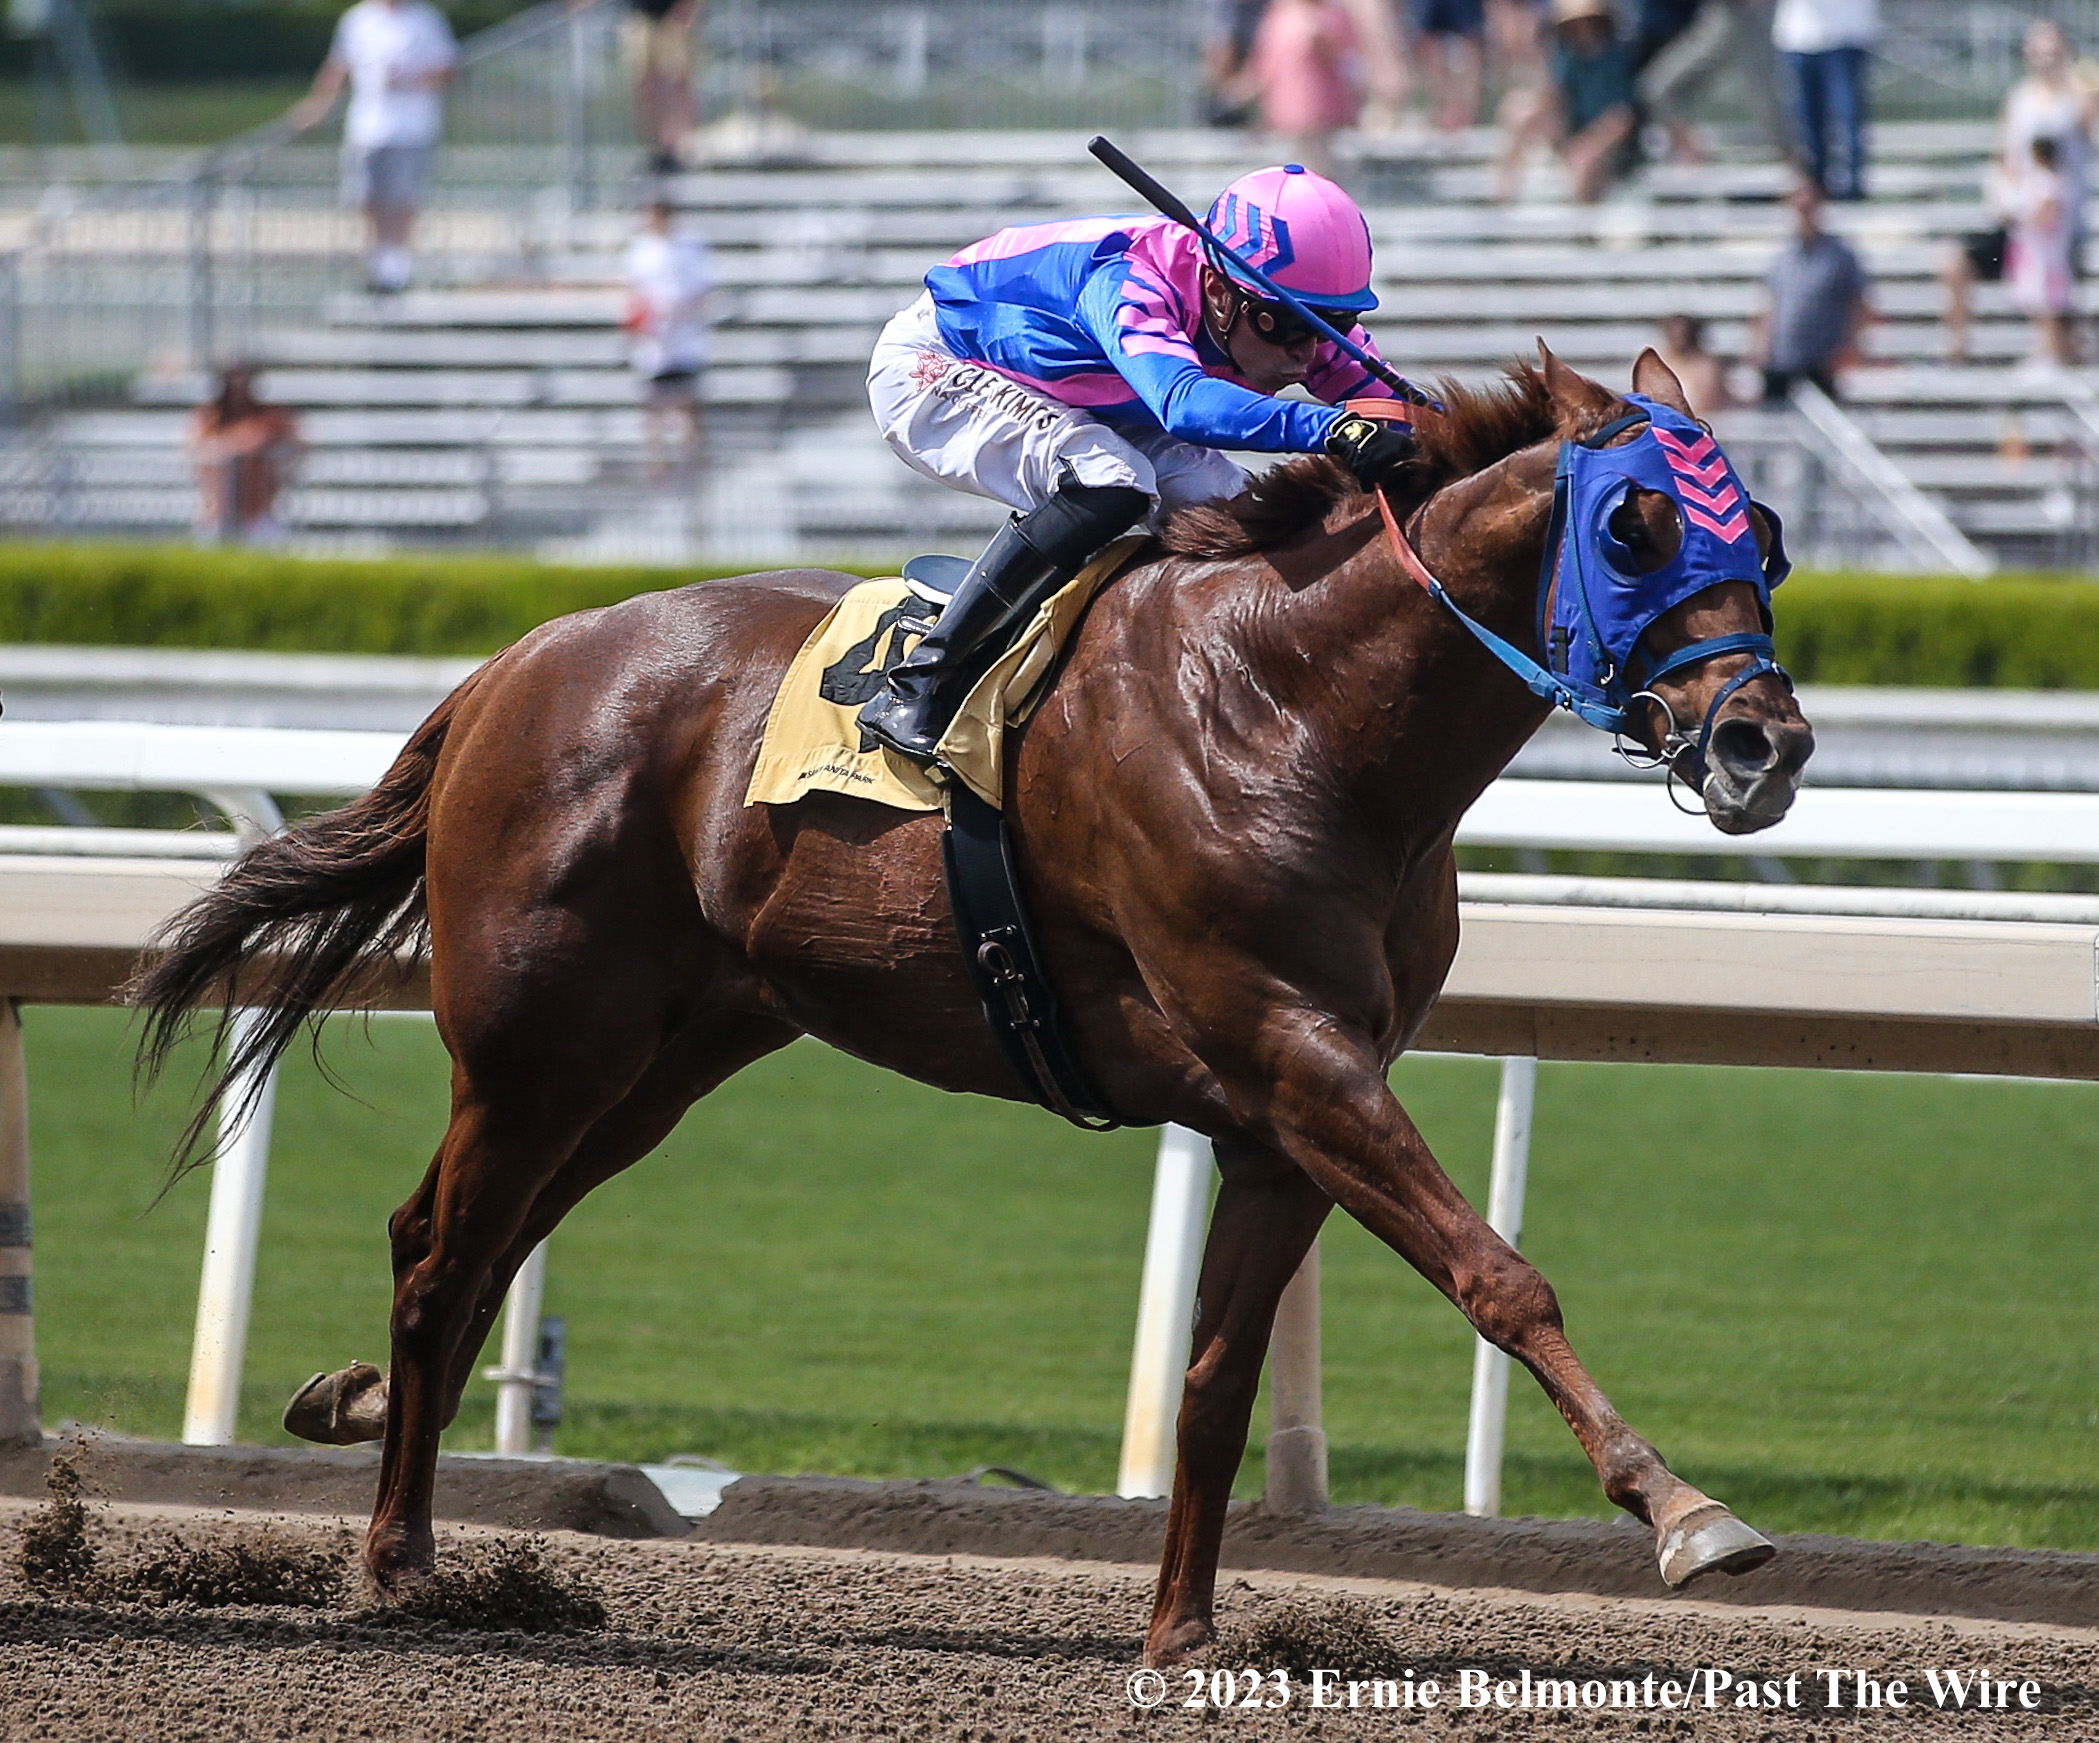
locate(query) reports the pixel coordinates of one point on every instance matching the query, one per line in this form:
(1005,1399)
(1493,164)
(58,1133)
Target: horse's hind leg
(1268,1214)
(698,1061)
(520,1152)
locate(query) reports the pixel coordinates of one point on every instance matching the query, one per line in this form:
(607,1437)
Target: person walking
(396,57)
(1092,372)
(1816,305)
(656,41)
(1824,44)
(1450,36)
(2051,102)
(1677,66)
(670,278)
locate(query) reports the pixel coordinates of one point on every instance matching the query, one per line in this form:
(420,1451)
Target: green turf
(1847,1303)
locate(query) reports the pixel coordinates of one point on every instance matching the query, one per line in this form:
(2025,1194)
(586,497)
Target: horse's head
(1656,598)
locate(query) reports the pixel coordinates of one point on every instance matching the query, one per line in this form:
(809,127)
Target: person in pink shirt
(1305,69)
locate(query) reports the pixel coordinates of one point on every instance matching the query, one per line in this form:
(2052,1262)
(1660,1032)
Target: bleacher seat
(508,411)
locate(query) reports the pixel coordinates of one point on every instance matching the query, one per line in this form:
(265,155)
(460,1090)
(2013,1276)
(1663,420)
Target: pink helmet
(1300,229)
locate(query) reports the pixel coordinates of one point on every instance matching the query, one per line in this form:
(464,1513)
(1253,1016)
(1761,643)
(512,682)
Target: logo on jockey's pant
(974,384)
(858,674)
(930,368)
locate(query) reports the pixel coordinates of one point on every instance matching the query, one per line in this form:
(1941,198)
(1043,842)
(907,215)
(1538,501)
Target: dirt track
(723,1641)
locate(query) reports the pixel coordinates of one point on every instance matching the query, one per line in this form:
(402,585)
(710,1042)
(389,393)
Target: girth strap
(991,918)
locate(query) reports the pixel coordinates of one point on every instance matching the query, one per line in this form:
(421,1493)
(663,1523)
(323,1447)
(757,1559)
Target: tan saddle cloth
(812,734)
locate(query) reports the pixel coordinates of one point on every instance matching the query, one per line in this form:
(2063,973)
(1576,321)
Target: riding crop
(1169,205)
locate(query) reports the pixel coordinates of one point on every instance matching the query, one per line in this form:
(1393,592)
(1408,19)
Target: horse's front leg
(1329,1109)
(1268,1214)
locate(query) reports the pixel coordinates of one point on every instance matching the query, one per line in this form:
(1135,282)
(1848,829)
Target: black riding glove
(1370,447)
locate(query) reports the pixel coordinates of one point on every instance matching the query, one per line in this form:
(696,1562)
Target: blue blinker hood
(1593,606)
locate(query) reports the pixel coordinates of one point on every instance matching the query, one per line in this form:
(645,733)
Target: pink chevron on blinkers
(1699,466)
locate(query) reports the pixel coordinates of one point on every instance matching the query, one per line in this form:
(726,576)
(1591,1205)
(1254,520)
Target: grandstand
(498,409)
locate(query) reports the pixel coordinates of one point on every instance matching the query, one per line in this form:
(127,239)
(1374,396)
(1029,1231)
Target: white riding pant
(977,430)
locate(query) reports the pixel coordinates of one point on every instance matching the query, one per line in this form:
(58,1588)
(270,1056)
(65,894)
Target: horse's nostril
(1744,748)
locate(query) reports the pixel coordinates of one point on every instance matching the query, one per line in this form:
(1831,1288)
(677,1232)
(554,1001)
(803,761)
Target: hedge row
(153,596)
(2017,631)
(1833,629)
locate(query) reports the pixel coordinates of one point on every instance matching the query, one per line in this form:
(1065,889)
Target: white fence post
(240,1170)
(1297,1479)
(1165,1312)
(232,1230)
(18,1377)
(1490,1367)
(519,1374)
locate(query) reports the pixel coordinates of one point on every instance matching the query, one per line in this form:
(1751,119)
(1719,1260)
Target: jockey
(1089,372)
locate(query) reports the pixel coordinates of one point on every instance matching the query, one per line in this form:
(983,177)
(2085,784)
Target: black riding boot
(1032,556)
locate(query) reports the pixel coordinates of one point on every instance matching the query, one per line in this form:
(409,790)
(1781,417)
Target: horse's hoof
(1711,1540)
(1167,1647)
(397,1560)
(340,1409)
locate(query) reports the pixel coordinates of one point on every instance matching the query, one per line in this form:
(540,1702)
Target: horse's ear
(1658,382)
(1575,398)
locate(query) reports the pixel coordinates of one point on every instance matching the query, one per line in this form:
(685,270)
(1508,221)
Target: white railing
(1911,517)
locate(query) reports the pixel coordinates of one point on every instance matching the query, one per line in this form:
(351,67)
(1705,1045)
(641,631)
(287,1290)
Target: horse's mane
(1481,426)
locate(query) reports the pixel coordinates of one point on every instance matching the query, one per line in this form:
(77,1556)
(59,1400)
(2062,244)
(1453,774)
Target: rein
(1607,712)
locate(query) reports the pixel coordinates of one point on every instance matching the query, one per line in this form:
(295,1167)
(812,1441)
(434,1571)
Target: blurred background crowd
(598,277)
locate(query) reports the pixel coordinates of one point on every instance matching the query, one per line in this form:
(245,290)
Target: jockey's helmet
(1300,229)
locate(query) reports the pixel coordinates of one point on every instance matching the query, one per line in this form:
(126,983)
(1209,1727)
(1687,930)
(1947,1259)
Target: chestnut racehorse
(1234,811)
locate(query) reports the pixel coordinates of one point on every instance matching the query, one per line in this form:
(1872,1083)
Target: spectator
(1451,37)
(397,57)
(1824,44)
(1228,38)
(243,450)
(2037,261)
(1304,68)
(1658,23)
(1588,112)
(669,280)
(656,41)
(1515,40)
(1677,67)
(2050,102)
(1815,307)
(1704,376)
(1387,81)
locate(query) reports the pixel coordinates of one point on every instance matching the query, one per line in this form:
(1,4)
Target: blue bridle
(1593,607)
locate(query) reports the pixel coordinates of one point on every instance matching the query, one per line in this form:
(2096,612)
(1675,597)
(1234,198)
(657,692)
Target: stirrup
(877,723)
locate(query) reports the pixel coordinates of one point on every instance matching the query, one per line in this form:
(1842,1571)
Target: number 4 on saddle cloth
(813,743)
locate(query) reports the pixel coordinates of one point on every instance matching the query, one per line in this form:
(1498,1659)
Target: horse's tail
(309,910)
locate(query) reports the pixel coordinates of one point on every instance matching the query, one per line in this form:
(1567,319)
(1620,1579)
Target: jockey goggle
(1276,323)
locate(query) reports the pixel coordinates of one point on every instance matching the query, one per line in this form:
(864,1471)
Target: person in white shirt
(1824,44)
(396,56)
(670,278)
(2055,101)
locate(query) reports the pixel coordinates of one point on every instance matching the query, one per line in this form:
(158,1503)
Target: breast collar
(1593,608)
